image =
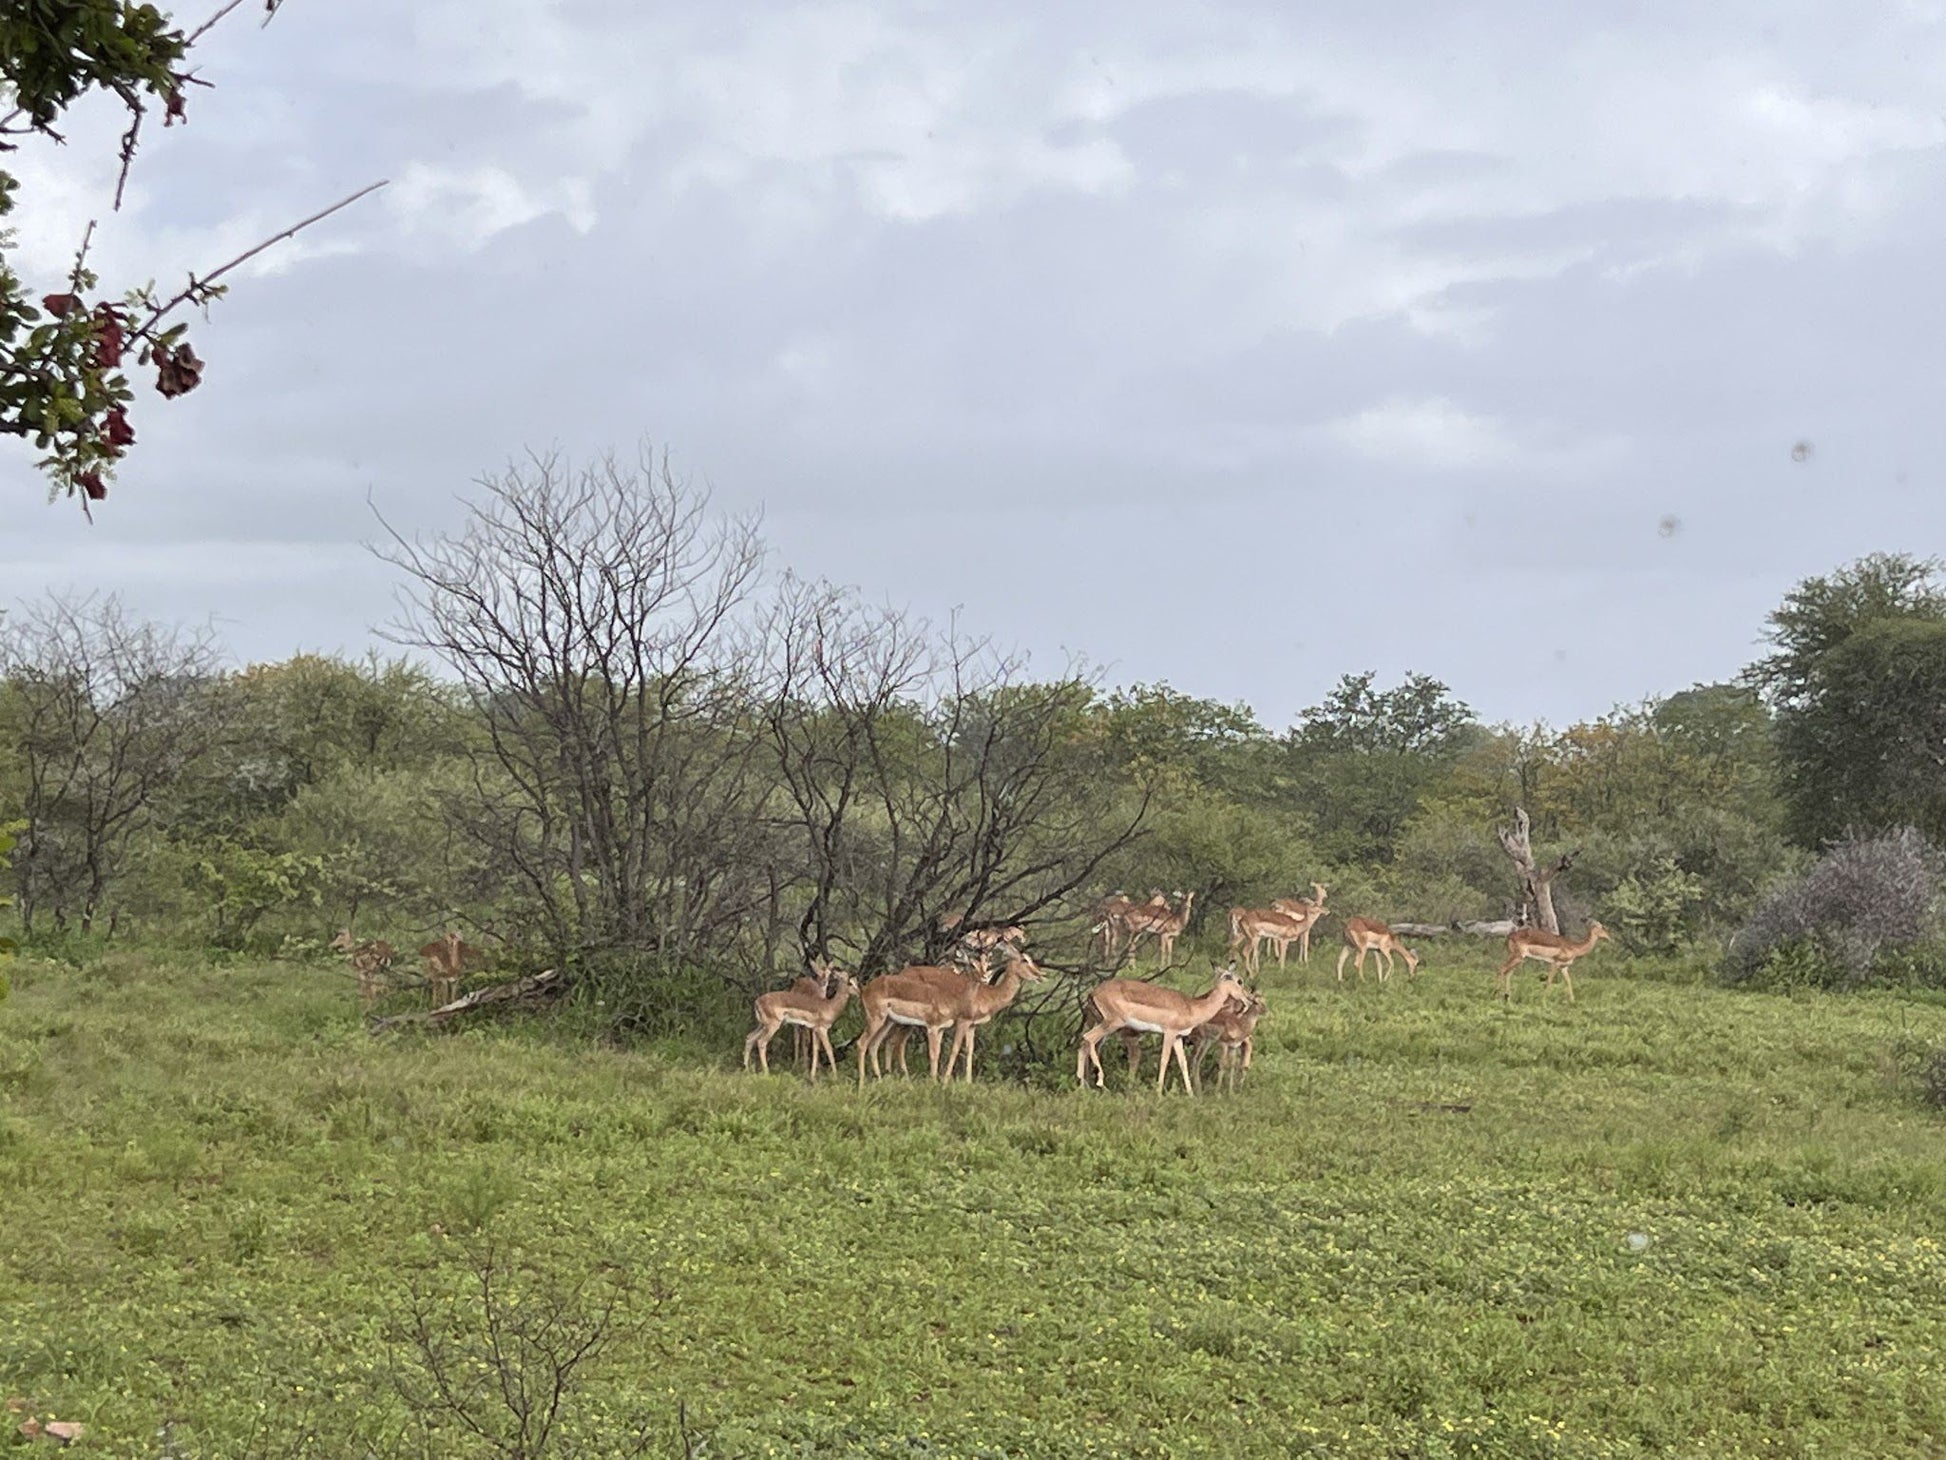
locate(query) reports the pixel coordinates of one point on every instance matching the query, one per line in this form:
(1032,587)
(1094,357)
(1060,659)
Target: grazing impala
(1145,1008)
(1369,935)
(1557,952)
(813,1011)
(369,960)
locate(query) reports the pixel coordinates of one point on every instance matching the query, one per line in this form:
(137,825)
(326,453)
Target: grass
(1671,1219)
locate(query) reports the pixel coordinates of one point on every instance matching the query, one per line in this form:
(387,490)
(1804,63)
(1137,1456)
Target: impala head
(1318,888)
(1411,959)
(1597,931)
(1021,966)
(344,941)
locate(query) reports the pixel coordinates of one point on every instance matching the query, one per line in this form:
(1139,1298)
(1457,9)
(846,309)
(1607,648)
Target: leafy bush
(1649,909)
(1866,897)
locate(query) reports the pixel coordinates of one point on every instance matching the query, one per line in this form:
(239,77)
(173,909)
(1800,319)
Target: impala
(1307,912)
(1557,952)
(445,960)
(1369,935)
(813,1011)
(1234,1033)
(1162,923)
(1144,1008)
(369,960)
(1112,914)
(935,998)
(1251,928)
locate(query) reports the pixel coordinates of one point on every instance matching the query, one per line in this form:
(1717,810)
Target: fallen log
(531,989)
(1496,929)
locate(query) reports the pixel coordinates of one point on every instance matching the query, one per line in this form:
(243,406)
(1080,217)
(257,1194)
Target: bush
(1865,898)
(1649,909)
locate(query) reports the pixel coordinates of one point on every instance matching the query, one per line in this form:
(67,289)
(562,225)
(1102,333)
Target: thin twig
(198,33)
(197,286)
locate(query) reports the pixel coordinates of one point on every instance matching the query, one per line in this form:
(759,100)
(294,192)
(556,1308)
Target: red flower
(116,430)
(91,483)
(109,337)
(58,305)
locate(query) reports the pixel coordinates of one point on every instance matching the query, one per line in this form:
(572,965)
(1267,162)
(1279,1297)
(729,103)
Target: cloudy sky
(1234,345)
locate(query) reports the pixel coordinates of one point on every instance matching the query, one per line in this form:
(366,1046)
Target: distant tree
(1858,681)
(1362,761)
(591,616)
(63,382)
(1221,745)
(108,715)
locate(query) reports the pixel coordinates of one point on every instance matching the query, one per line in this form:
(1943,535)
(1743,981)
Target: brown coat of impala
(811,1010)
(1234,1033)
(1252,927)
(369,960)
(1369,935)
(1557,952)
(1311,913)
(935,998)
(1164,924)
(1146,1008)
(445,960)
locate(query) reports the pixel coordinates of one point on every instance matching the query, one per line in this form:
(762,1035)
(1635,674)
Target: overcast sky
(1232,345)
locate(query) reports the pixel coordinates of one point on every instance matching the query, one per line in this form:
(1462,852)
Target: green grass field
(219,1194)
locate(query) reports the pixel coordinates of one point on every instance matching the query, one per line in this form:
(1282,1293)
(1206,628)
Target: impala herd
(962,996)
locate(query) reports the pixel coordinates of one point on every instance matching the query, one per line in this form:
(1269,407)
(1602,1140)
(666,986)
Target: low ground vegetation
(1671,1218)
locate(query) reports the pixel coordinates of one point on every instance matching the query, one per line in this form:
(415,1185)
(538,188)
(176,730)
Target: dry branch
(534,988)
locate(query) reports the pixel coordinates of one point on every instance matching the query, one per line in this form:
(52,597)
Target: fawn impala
(1369,935)
(1162,923)
(1307,912)
(1234,1033)
(814,1011)
(1145,1008)
(1557,952)
(369,960)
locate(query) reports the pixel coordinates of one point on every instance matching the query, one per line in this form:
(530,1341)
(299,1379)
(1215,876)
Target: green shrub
(1649,909)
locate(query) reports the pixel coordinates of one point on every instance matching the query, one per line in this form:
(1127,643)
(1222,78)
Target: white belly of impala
(1142,1026)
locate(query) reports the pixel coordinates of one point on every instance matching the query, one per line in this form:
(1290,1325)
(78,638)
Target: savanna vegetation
(1694,1210)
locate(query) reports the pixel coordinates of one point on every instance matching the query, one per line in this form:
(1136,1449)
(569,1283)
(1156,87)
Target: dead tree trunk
(1536,884)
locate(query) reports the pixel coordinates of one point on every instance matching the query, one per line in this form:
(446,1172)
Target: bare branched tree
(931,787)
(591,615)
(107,714)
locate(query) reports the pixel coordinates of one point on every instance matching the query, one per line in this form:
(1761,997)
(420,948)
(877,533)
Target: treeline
(610,734)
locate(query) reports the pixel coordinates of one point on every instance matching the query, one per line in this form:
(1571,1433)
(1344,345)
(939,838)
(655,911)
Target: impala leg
(1343,954)
(865,1043)
(1567,979)
(750,1046)
(1132,1047)
(934,1035)
(1182,1064)
(1090,1054)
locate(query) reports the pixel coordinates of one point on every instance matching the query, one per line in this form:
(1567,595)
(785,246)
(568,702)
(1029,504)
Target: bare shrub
(506,1358)
(106,715)
(1863,897)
